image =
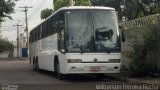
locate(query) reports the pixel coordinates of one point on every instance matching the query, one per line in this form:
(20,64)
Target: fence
(135,30)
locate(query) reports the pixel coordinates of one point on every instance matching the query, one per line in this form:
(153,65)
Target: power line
(23,2)
(29,2)
(41,4)
(37,8)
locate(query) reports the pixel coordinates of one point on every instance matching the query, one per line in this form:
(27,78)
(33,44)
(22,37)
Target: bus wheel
(60,75)
(36,65)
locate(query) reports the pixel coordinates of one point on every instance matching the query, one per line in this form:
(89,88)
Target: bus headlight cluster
(114,60)
(74,60)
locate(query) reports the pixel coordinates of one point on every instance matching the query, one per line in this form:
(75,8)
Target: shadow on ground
(77,78)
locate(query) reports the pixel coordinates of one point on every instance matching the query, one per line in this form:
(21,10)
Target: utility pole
(17,25)
(71,3)
(26,19)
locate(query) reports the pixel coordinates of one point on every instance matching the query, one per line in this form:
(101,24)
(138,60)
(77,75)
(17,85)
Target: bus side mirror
(123,35)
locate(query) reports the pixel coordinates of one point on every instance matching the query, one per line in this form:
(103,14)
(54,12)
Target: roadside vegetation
(6,8)
(5,45)
(145,53)
(128,9)
(62,3)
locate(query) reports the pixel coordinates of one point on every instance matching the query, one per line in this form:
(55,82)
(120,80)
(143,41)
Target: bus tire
(34,64)
(37,66)
(59,75)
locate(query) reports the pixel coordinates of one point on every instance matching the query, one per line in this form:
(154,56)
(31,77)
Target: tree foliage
(6,8)
(131,9)
(82,3)
(62,3)
(5,45)
(46,13)
(145,43)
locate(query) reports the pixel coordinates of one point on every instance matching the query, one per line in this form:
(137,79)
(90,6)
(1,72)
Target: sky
(9,31)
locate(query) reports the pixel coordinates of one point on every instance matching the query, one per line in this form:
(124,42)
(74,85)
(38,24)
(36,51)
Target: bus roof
(77,7)
(86,7)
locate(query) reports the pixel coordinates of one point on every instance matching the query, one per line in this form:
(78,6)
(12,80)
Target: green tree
(131,8)
(82,3)
(62,3)
(46,13)
(145,45)
(140,14)
(57,4)
(5,45)
(6,8)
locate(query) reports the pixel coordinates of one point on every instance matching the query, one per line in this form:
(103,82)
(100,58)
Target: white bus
(77,40)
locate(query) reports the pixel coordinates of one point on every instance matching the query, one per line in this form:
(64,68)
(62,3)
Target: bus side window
(54,25)
(33,36)
(61,41)
(50,26)
(44,30)
(60,30)
(39,32)
(30,38)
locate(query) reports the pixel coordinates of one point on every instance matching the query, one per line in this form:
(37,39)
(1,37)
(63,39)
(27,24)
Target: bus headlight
(74,60)
(114,60)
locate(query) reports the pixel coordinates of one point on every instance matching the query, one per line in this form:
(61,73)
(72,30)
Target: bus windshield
(91,31)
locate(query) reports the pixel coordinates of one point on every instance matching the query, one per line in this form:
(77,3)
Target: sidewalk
(126,76)
(14,59)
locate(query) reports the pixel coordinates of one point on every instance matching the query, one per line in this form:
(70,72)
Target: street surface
(19,74)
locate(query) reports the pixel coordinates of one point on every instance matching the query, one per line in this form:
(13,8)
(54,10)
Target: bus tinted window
(44,30)
(50,26)
(47,28)
(38,33)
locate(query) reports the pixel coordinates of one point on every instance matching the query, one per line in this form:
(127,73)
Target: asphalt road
(18,75)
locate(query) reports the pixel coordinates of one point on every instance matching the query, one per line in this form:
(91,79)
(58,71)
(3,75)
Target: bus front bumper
(92,68)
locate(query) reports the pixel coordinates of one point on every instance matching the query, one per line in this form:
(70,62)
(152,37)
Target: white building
(23,40)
